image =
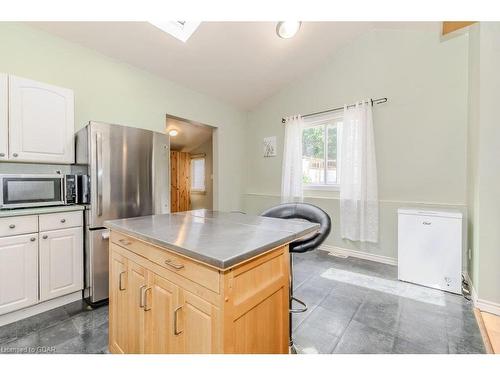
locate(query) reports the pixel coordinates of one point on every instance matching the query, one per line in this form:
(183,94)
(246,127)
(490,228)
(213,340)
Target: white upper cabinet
(41,122)
(4,103)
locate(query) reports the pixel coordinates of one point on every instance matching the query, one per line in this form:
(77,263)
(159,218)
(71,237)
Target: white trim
(406,203)
(328,187)
(14,316)
(488,306)
(359,254)
(481,304)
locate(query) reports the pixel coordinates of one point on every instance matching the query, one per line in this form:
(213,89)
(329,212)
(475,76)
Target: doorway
(191,164)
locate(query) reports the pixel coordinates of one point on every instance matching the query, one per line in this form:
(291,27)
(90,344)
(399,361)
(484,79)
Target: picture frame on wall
(269,147)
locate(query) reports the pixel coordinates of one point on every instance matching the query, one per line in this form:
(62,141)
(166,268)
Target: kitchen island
(200,282)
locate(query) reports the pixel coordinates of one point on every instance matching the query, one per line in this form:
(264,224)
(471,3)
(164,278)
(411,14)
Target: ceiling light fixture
(181,30)
(287,29)
(173,133)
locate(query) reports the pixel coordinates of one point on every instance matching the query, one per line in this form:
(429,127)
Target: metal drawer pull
(169,262)
(12,226)
(2,154)
(63,220)
(120,281)
(142,300)
(45,236)
(125,242)
(176,331)
(32,239)
(426,223)
(147,307)
(15,155)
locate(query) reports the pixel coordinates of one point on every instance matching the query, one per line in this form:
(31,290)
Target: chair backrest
(307,212)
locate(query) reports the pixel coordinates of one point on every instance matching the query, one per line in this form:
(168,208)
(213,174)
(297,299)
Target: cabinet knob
(15,155)
(12,226)
(63,220)
(45,236)
(2,154)
(32,239)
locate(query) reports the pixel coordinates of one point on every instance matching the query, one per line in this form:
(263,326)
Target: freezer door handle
(98,139)
(105,235)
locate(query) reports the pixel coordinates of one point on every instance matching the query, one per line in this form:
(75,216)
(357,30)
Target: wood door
(160,317)
(180,183)
(4,118)
(197,327)
(184,181)
(61,262)
(18,272)
(137,285)
(118,303)
(174,184)
(41,122)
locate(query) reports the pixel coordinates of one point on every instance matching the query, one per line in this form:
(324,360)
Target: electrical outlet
(470,254)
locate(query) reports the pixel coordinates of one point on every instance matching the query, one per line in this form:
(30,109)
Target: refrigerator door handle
(98,138)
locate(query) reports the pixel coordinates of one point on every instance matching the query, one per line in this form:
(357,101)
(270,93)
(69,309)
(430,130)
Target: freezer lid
(124,163)
(427,212)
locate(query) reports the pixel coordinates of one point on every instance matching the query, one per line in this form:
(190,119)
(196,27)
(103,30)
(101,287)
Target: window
(198,175)
(320,153)
(181,30)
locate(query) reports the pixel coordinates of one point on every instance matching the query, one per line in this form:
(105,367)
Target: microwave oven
(32,190)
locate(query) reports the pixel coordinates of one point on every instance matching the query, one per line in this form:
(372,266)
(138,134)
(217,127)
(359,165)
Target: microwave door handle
(63,190)
(99,172)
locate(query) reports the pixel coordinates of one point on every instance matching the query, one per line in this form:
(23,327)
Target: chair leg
(291,346)
(291,310)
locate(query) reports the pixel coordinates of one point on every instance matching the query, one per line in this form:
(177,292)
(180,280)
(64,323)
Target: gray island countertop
(220,239)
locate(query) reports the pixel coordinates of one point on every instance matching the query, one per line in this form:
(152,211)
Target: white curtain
(358,179)
(291,176)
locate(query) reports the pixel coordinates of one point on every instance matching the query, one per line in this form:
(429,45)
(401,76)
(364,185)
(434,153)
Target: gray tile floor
(73,328)
(358,306)
(355,306)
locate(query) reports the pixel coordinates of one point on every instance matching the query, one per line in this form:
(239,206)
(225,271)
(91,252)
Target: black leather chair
(310,213)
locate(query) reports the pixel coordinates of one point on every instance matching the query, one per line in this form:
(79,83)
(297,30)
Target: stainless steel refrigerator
(129,176)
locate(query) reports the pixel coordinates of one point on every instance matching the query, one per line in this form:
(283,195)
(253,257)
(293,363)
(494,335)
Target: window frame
(325,121)
(204,190)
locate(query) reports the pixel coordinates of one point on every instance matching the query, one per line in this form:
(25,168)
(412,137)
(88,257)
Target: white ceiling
(240,63)
(190,135)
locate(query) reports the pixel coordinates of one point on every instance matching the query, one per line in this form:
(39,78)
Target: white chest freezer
(430,248)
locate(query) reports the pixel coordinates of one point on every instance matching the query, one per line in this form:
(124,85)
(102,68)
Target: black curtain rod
(372,101)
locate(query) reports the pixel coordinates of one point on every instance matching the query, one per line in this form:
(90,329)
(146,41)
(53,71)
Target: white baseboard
(359,254)
(482,304)
(488,306)
(14,316)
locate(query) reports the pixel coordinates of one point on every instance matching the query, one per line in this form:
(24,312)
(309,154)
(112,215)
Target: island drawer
(190,269)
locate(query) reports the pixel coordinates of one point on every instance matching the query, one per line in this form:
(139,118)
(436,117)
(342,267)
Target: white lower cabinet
(18,272)
(61,262)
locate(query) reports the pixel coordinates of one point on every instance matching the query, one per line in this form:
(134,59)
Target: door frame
(215,156)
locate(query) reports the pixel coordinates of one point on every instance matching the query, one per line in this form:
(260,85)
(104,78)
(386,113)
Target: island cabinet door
(197,325)
(162,304)
(118,327)
(137,288)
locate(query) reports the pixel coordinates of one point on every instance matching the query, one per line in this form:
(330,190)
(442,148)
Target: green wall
(484,164)
(420,133)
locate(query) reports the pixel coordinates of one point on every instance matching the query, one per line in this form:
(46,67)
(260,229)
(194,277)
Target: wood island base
(162,302)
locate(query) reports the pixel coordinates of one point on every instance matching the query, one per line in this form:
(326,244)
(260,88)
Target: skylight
(181,30)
